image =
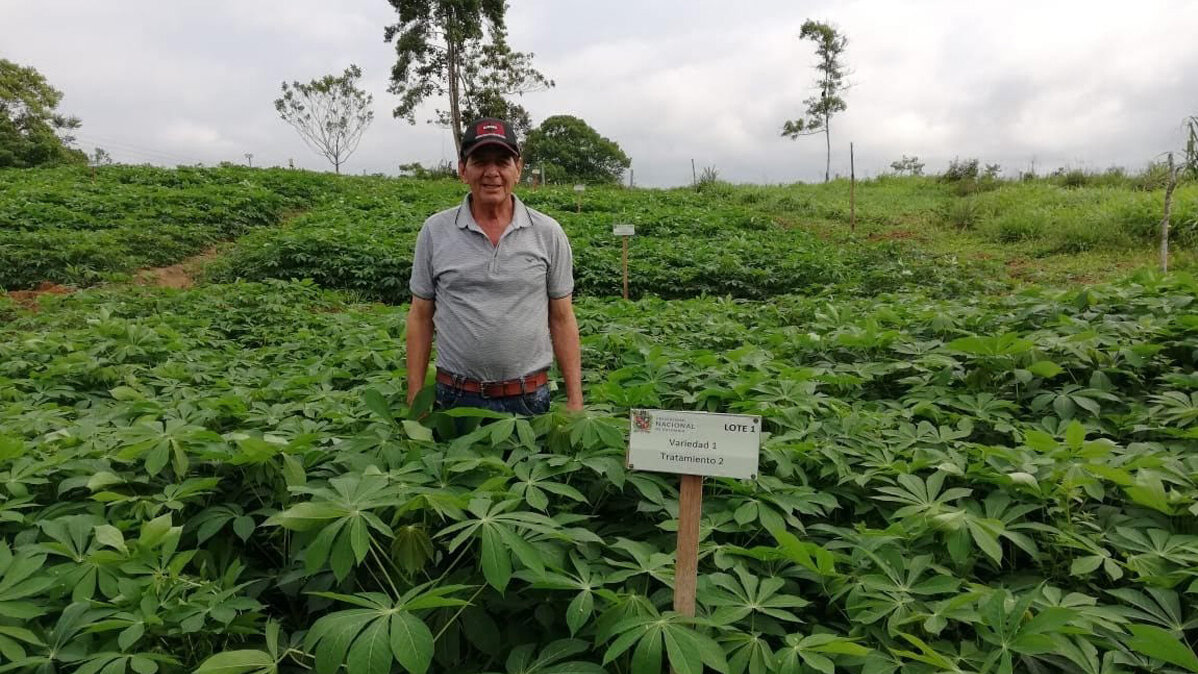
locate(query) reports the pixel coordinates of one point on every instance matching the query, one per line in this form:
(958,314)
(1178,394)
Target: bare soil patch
(181,275)
(28,298)
(894,235)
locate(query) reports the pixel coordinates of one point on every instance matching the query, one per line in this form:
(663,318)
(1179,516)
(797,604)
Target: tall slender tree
(829,46)
(330,113)
(458,49)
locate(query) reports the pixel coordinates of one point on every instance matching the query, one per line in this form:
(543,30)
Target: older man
(493,279)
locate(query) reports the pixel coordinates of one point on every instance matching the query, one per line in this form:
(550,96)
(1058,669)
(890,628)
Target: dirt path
(181,275)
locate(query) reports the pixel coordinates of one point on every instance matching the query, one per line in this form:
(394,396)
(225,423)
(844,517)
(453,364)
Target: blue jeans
(528,404)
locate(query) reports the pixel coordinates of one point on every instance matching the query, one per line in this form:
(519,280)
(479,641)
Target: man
(493,279)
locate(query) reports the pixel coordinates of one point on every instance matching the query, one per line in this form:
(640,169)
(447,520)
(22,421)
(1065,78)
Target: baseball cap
(489,131)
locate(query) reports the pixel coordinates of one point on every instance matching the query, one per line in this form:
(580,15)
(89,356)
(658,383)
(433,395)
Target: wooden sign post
(693,444)
(624,231)
(686,560)
(578,190)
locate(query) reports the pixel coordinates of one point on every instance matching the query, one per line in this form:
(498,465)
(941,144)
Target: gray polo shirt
(492,302)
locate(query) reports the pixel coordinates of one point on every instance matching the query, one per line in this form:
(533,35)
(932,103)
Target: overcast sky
(1044,84)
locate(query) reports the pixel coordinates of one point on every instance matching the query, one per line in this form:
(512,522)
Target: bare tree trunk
(455,112)
(828,152)
(1165,220)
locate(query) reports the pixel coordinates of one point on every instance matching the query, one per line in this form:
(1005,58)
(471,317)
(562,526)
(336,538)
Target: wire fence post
(852,191)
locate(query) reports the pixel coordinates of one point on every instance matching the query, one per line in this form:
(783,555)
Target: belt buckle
(482,390)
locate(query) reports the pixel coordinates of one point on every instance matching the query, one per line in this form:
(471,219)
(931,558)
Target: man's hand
(420,343)
(563,330)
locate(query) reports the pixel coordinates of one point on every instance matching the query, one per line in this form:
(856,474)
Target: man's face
(491,172)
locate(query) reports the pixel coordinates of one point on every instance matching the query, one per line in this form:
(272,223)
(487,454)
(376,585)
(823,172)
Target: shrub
(960,169)
(1018,226)
(963,213)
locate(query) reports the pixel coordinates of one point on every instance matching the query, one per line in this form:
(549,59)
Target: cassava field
(981,426)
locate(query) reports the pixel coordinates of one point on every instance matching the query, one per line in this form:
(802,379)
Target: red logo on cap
(490,129)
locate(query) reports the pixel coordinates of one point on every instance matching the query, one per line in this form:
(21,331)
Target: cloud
(1062,83)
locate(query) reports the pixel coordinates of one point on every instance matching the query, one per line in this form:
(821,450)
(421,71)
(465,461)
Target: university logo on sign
(642,421)
(490,129)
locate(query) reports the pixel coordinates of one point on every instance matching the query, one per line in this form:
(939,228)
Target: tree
(829,45)
(572,151)
(907,165)
(330,113)
(458,49)
(100,157)
(32,132)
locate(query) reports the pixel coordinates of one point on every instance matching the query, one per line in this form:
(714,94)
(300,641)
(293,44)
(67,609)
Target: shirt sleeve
(560,281)
(421,283)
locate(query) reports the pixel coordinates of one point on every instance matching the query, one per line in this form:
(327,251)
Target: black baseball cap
(489,131)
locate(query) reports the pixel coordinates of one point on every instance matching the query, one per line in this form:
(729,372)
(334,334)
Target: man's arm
(420,343)
(563,330)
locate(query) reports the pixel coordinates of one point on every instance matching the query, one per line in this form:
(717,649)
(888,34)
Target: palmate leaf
(686,650)
(736,598)
(550,659)
(368,639)
(1008,344)
(501,535)
(748,653)
(586,579)
(342,515)
(21,579)
(239,662)
(816,651)
(920,497)
(1162,645)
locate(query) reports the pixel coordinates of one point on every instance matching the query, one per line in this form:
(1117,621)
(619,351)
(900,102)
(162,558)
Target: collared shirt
(492,301)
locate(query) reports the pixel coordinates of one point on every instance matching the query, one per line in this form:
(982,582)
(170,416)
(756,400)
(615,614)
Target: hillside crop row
(686,245)
(59,226)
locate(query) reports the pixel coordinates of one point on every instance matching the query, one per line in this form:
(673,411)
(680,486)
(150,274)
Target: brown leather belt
(495,389)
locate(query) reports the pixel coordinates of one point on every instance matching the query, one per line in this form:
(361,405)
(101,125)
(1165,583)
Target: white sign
(623,230)
(695,443)
(579,188)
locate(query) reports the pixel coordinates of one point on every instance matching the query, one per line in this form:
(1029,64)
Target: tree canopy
(458,49)
(571,151)
(32,131)
(330,113)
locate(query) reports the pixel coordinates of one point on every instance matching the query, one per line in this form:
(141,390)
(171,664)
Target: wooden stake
(1165,221)
(852,191)
(625,266)
(686,560)
(694,176)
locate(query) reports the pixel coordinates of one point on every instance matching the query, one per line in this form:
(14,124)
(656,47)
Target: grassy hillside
(745,241)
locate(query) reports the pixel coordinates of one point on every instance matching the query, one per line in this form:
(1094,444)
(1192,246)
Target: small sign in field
(623,230)
(695,443)
(692,444)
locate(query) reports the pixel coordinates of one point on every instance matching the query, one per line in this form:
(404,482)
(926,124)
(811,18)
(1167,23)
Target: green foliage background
(227,479)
